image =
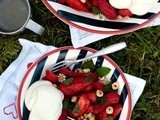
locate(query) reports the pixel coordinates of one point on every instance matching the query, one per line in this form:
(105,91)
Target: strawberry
(95,3)
(61,1)
(98,85)
(107,9)
(63,115)
(91,95)
(81,107)
(116,110)
(77,86)
(112,97)
(125,12)
(67,72)
(109,99)
(78,5)
(51,77)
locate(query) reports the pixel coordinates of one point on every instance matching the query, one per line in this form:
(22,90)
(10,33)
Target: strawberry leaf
(103,71)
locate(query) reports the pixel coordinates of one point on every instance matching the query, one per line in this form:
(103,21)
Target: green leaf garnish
(88,64)
(95,10)
(101,100)
(68,81)
(76,109)
(88,79)
(68,105)
(108,88)
(103,71)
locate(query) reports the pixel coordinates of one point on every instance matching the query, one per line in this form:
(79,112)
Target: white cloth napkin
(81,38)
(12,76)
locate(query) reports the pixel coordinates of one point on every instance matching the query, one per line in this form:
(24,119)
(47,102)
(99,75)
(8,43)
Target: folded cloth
(11,78)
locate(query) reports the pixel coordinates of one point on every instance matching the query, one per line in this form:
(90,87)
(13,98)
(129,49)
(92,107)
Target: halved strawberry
(125,12)
(78,5)
(50,76)
(107,9)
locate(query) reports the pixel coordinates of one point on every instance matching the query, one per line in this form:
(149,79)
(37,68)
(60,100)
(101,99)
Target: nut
(86,70)
(115,85)
(109,110)
(99,93)
(83,1)
(74,99)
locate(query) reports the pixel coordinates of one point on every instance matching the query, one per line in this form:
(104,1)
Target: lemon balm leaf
(103,71)
(88,64)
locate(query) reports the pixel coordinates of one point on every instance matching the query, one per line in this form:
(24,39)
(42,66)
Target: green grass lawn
(141,57)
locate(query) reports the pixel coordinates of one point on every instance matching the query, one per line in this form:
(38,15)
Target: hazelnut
(74,99)
(109,110)
(99,93)
(86,70)
(115,85)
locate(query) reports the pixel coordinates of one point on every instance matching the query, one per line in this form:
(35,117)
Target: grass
(141,57)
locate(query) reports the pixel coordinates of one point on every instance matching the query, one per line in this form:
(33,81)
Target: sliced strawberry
(63,115)
(78,5)
(107,9)
(125,12)
(116,110)
(67,72)
(51,77)
(61,1)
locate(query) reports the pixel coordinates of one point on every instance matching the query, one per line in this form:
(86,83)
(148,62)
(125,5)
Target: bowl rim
(72,48)
(45,2)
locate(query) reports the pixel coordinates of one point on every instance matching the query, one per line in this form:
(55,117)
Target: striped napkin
(11,78)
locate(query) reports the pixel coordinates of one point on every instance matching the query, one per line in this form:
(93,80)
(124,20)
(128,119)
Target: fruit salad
(112,9)
(88,93)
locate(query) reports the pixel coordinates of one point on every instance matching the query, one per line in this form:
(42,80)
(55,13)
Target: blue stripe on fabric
(93,22)
(36,76)
(82,54)
(115,76)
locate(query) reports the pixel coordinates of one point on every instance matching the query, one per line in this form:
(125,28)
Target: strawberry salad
(87,94)
(112,9)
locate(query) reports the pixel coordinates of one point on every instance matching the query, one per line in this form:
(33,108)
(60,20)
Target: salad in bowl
(105,16)
(95,89)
